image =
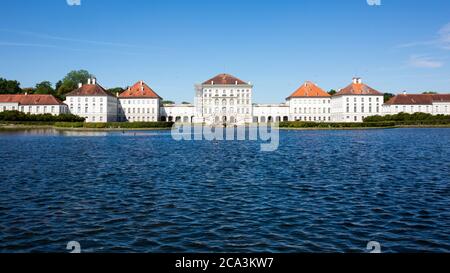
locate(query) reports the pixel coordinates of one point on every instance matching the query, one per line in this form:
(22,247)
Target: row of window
(93,99)
(419,108)
(139,110)
(139,101)
(362,99)
(312,118)
(225,110)
(137,118)
(94,119)
(311,110)
(224,102)
(363,109)
(311,101)
(37,109)
(224,91)
(225,95)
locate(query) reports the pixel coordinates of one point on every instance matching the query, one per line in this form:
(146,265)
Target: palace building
(356,102)
(92,102)
(434,104)
(226,99)
(310,103)
(33,104)
(139,103)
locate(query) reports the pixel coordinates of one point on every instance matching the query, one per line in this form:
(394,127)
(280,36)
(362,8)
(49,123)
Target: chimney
(89,81)
(80,85)
(404,92)
(142,83)
(357,80)
(236,82)
(94,81)
(26,93)
(117,94)
(212,82)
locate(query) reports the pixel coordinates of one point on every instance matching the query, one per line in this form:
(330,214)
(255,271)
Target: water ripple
(322,191)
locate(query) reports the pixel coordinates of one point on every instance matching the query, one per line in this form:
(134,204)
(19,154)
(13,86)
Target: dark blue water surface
(321,191)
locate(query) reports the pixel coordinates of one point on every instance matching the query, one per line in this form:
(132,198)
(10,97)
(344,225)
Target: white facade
(224,99)
(356,102)
(310,109)
(32,104)
(178,113)
(433,104)
(93,103)
(138,109)
(270,113)
(139,104)
(93,108)
(355,108)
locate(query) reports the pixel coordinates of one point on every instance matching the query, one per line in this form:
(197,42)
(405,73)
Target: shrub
(20,116)
(411,119)
(302,124)
(115,125)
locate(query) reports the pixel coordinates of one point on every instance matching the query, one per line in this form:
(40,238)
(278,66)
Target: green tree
(44,88)
(28,90)
(185,102)
(71,81)
(332,92)
(429,93)
(58,85)
(169,102)
(9,87)
(114,91)
(388,96)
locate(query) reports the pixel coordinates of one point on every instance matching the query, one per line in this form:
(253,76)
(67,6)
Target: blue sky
(277,45)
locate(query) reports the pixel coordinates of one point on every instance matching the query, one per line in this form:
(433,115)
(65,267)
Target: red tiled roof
(358,89)
(140,90)
(23,99)
(309,89)
(89,90)
(225,79)
(418,99)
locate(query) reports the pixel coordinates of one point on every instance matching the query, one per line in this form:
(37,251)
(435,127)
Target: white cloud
(424,61)
(440,40)
(444,37)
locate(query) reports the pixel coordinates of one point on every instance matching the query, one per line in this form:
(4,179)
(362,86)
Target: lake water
(321,191)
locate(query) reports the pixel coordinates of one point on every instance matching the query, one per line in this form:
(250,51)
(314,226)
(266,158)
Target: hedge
(302,124)
(116,125)
(17,116)
(405,117)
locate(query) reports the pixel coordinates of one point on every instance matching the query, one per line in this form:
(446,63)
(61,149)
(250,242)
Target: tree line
(59,89)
